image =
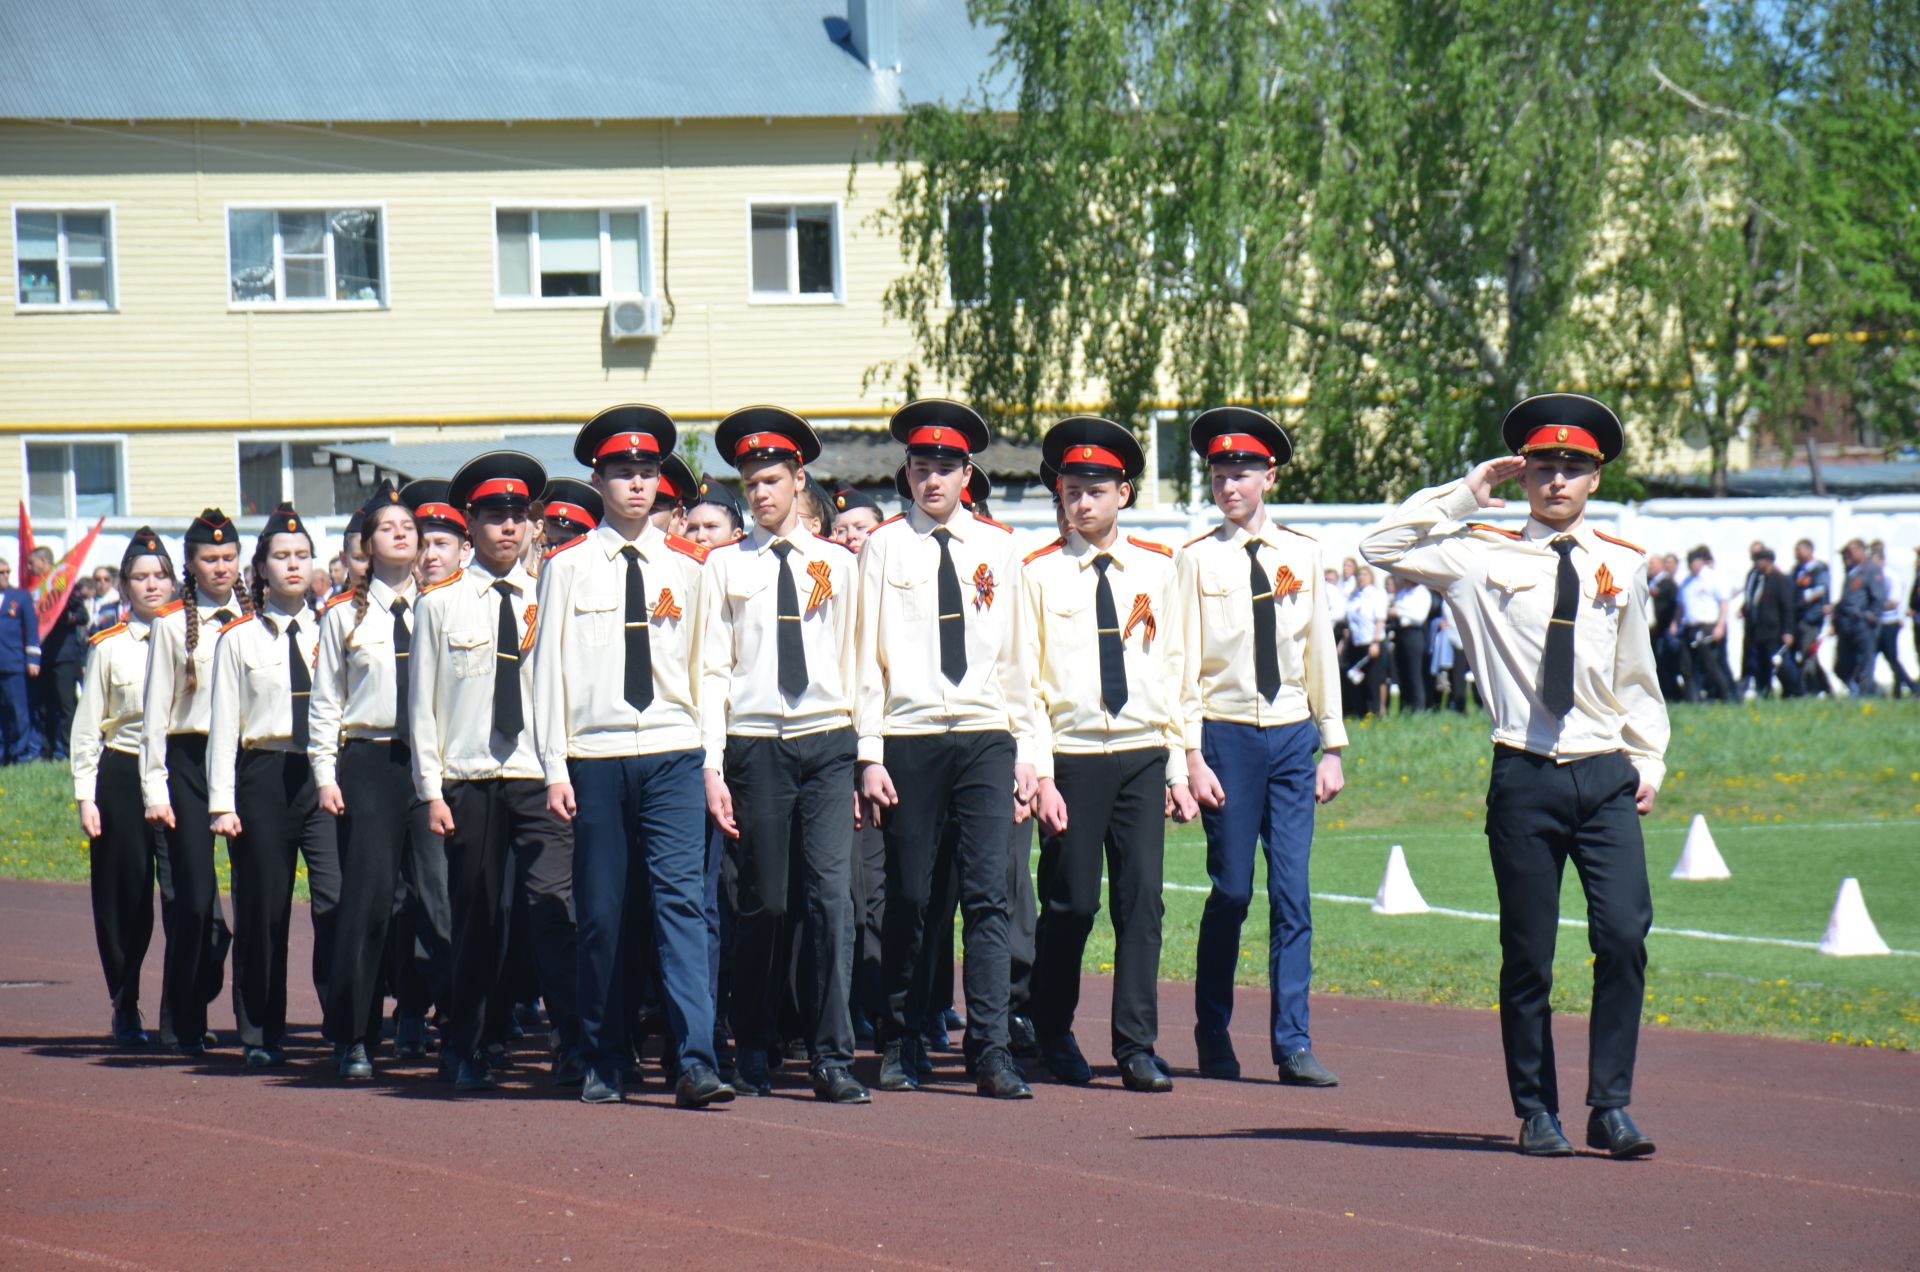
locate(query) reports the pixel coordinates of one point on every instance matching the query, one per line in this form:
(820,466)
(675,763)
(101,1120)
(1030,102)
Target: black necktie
(1113,656)
(223,616)
(300,680)
(507,720)
(1556,688)
(639,660)
(402,656)
(793,654)
(1266,649)
(953,619)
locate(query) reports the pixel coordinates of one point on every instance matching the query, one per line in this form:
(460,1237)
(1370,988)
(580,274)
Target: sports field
(1798,796)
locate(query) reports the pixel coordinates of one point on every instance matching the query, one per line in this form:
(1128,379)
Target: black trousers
(968,776)
(1701,665)
(793,803)
(1410,666)
(1023,923)
(121,864)
(59,684)
(422,935)
(869,906)
(500,822)
(1539,814)
(281,820)
(1116,810)
(197,933)
(376,782)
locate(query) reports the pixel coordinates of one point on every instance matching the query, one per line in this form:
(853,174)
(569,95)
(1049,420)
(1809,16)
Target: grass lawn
(1798,794)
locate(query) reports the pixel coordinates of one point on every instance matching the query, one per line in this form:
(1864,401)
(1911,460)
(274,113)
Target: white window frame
(287,442)
(65,306)
(69,496)
(605,208)
(326,208)
(838,296)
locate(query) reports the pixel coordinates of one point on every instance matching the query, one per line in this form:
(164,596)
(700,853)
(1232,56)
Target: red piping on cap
(765,441)
(1238,442)
(622,443)
(499,486)
(571,512)
(1092,455)
(441,512)
(939,435)
(1561,437)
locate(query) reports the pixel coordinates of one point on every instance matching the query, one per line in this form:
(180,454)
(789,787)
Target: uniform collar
(961,523)
(207,611)
(382,597)
(759,540)
(1238,535)
(1539,532)
(483,579)
(1084,554)
(138,628)
(609,541)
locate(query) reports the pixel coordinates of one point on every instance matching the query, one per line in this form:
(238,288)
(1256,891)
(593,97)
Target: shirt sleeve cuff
(325,772)
(1176,766)
(870,750)
(1653,772)
(556,770)
(83,790)
(154,794)
(1333,734)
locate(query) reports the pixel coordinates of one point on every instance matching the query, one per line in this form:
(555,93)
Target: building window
(74,480)
(64,257)
(795,250)
(969,251)
(570,254)
(306,258)
(311,477)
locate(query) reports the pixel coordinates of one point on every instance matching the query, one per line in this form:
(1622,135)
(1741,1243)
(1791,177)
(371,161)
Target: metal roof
(460,60)
(1843,480)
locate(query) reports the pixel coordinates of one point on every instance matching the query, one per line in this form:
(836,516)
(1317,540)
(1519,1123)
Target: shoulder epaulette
(1190,542)
(687,547)
(1508,534)
(1601,534)
(890,520)
(989,521)
(554,552)
(244,618)
(102,634)
(171,607)
(435,587)
(1290,530)
(835,542)
(1150,545)
(1035,555)
(341,599)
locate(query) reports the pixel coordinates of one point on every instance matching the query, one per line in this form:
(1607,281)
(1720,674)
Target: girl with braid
(173,775)
(260,788)
(362,765)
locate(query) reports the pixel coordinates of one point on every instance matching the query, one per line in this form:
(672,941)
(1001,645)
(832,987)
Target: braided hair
(262,547)
(190,594)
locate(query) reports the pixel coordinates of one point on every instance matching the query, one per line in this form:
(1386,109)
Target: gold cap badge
(1561,436)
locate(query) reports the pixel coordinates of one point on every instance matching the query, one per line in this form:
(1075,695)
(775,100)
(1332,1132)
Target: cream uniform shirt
(740,654)
(579,657)
(901,689)
(170,708)
(451,682)
(1218,678)
(1062,649)
(110,711)
(252,705)
(1499,586)
(355,683)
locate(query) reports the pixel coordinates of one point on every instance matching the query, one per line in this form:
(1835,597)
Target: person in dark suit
(1810,606)
(1665,587)
(1769,618)
(19,665)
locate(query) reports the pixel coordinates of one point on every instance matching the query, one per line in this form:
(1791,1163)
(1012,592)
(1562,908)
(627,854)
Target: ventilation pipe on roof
(874,27)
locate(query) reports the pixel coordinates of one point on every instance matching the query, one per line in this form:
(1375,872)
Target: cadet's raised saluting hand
(1487,477)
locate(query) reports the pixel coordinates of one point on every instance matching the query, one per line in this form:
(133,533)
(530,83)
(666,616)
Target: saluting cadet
(1555,619)
(625,768)
(941,697)
(1106,746)
(260,789)
(475,764)
(569,508)
(777,708)
(124,849)
(173,773)
(1260,693)
(358,743)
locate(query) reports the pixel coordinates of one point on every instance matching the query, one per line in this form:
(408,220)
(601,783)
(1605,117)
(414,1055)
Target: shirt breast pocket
(367,646)
(470,653)
(123,689)
(1225,604)
(911,591)
(266,666)
(742,588)
(597,615)
(1516,597)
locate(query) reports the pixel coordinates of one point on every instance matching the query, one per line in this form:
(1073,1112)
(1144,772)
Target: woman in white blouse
(1366,631)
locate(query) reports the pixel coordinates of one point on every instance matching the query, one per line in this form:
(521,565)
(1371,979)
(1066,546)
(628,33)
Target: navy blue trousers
(1267,775)
(642,816)
(19,725)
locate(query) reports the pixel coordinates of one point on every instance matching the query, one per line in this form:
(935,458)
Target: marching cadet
(855,516)
(173,773)
(941,698)
(569,508)
(124,850)
(260,789)
(677,491)
(1555,621)
(625,769)
(777,708)
(1106,746)
(358,744)
(714,517)
(352,550)
(1260,693)
(475,765)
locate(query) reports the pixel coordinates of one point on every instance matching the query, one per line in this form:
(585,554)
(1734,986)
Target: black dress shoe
(354,1065)
(1063,1060)
(997,1076)
(1614,1132)
(1540,1136)
(750,1076)
(497,1058)
(209,1039)
(259,1058)
(935,1038)
(898,1069)
(832,1083)
(599,1087)
(1021,1039)
(700,1086)
(952,1019)
(1141,1071)
(410,1036)
(474,1074)
(1301,1069)
(568,1068)
(127,1029)
(1216,1055)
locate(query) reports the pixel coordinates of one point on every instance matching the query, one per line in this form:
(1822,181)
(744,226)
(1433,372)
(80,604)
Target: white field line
(1725,827)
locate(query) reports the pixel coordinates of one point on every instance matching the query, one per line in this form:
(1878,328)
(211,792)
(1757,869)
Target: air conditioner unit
(633,318)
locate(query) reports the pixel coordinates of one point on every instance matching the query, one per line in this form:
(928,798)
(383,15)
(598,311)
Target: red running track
(1773,1154)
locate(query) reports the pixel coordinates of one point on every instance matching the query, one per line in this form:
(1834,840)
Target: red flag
(50,594)
(26,546)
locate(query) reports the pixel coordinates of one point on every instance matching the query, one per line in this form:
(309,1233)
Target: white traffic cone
(1700,858)
(1397,894)
(1850,932)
